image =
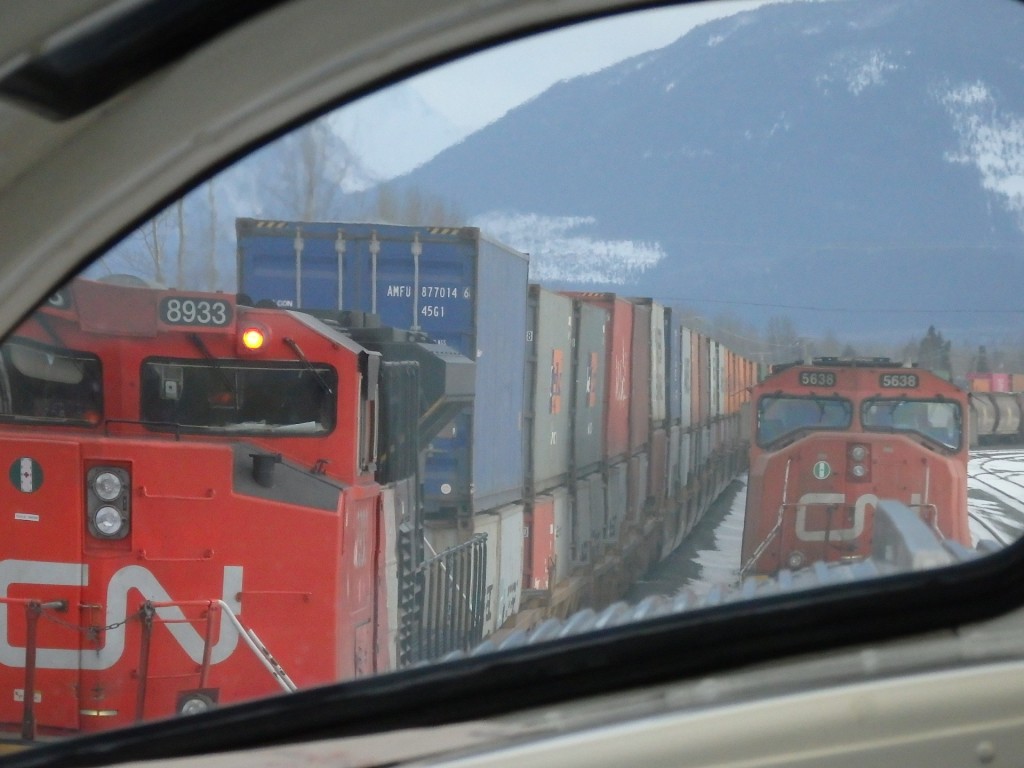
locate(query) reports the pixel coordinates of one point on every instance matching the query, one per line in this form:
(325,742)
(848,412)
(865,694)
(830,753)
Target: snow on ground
(995,494)
(710,556)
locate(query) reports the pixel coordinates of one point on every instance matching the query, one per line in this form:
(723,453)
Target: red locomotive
(160,447)
(831,439)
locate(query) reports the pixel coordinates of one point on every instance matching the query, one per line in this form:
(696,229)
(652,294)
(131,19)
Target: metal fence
(447,603)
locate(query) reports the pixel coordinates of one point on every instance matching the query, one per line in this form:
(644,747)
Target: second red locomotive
(834,437)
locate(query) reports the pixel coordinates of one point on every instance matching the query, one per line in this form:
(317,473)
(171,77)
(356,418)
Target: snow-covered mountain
(863,160)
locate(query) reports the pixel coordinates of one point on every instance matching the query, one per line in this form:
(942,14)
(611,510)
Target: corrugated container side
(510,581)
(498,462)
(674,436)
(723,375)
(490,524)
(618,499)
(619,353)
(685,458)
(547,532)
(563,534)
(686,376)
(694,378)
(598,510)
(715,370)
(541,561)
(703,380)
(658,373)
(658,466)
(590,373)
(732,379)
(504,568)
(581,534)
(674,355)
(1000,382)
(550,338)
(742,381)
(1017,382)
(640,373)
(637,486)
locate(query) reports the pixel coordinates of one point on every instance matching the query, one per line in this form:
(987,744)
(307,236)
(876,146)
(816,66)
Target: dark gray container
(590,354)
(550,389)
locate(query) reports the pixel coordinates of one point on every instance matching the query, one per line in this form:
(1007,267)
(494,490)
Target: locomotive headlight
(859,466)
(107,521)
(107,486)
(197,702)
(108,502)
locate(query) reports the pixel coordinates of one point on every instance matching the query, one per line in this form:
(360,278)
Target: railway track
(995,491)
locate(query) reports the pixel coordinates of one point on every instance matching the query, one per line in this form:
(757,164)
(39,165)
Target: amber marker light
(253,338)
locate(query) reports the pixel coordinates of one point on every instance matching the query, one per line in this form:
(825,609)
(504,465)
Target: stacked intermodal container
(603,427)
(419,278)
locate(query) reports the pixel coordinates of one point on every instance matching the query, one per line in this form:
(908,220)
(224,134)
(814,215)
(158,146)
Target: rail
(452,602)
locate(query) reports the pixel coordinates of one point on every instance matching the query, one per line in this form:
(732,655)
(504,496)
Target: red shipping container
(1000,382)
(980,382)
(541,552)
(619,341)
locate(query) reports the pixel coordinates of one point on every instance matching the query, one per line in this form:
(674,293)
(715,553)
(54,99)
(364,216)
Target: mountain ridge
(795,143)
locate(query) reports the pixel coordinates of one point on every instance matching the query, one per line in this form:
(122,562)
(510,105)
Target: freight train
(212,498)
(997,418)
(832,439)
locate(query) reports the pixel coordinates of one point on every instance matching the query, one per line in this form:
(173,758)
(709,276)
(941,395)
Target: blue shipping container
(451,283)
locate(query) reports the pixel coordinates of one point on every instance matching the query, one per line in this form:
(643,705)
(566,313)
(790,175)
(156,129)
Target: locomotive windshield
(49,385)
(779,416)
(238,397)
(938,420)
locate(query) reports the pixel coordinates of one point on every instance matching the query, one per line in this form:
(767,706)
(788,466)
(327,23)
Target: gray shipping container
(549,367)
(590,356)
(581,521)
(618,499)
(598,510)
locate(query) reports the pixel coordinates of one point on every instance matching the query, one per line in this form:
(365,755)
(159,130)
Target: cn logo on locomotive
(131,577)
(833,499)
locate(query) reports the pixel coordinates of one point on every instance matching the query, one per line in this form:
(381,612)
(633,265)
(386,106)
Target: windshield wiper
(199,344)
(293,345)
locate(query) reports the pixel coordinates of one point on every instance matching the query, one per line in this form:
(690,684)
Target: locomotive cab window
(937,420)
(779,416)
(238,397)
(49,384)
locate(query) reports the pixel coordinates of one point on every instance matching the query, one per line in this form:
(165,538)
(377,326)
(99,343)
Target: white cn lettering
(828,499)
(123,581)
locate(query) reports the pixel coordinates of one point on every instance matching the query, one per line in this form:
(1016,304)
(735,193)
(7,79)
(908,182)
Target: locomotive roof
(844,362)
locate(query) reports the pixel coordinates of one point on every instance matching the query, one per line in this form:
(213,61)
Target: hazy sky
(507,76)
(396,129)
